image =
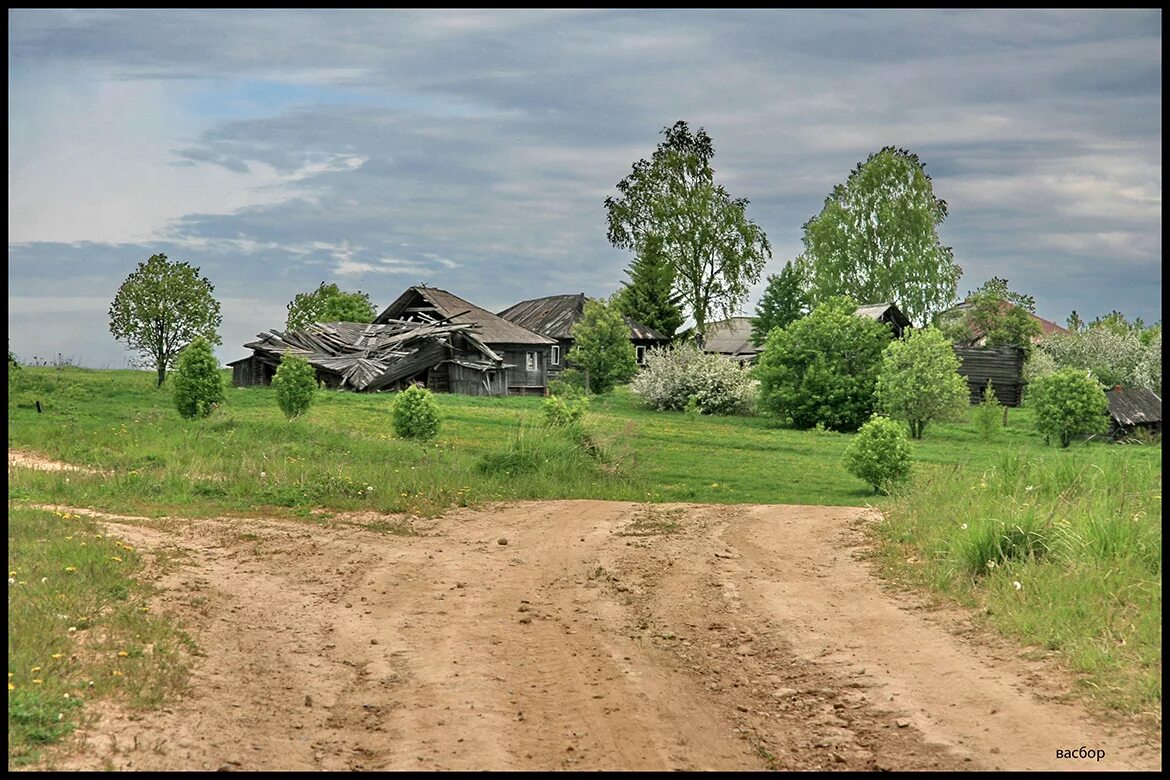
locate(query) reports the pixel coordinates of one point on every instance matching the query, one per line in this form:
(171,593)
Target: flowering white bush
(1114,358)
(674,376)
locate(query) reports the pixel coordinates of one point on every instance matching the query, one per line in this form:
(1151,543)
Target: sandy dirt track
(601,636)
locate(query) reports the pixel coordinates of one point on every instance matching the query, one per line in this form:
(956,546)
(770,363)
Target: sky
(473,150)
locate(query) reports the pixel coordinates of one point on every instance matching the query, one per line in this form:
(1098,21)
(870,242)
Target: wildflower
(1030,488)
(122,654)
(72,629)
(115,558)
(1017,585)
(11,581)
(35,669)
(263,475)
(11,687)
(991,564)
(964,526)
(55,656)
(70,569)
(60,716)
(12,574)
(38,681)
(44,580)
(146,609)
(116,673)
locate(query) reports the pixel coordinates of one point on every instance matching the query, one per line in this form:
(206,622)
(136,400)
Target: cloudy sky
(473,150)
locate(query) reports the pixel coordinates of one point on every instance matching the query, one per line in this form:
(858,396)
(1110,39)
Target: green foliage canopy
(160,308)
(879,454)
(670,206)
(875,239)
(416,415)
(784,300)
(198,386)
(329,303)
(295,382)
(1000,314)
(649,298)
(602,347)
(823,368)
(920,382)
(1068,402)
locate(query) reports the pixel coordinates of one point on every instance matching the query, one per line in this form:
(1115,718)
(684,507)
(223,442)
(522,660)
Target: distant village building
(1132,409)
(555,315)
(1002,366)
(445,357)
(979,339)
(526,355)
(888,313)
(731,338)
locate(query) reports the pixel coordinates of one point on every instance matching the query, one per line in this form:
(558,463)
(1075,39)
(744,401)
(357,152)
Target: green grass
(1080,528)
(1062,550)
(78,630)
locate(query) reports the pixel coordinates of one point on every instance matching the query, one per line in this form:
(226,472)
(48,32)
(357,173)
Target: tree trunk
(162,373)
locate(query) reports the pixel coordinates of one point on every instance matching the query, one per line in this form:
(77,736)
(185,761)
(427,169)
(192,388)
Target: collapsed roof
(373,357)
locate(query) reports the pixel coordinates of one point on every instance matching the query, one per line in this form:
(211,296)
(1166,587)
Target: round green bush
(416,415)
(1068,402)
(198,386)
(879,454)
(295,382)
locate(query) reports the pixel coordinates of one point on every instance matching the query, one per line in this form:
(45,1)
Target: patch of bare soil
(573,635)
(28,460)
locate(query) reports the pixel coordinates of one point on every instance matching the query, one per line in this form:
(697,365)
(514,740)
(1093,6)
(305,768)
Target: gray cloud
(472,150)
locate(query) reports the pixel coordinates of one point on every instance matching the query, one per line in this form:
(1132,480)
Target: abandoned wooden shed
(555,315)
(443,356)
(1132,409)
(526,355)
(1002,366)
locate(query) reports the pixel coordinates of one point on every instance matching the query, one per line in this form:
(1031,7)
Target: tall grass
(1063,550)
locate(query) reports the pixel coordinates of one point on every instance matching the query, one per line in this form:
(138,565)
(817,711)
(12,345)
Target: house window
(641,354)
(556,356)
(530,361)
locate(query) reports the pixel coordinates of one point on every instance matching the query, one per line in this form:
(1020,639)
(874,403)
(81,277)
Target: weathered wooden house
(526,355)
(1002,366)
(731,338)
(1132,409)
(888,313)
(978,338)
(555,315)
(444,357)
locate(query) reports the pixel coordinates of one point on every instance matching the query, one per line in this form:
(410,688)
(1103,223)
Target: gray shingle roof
(423,303)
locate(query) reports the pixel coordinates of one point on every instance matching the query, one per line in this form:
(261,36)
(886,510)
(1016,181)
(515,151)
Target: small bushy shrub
(416,415)
(1068,402)
(879,454)
(569,384)
(559,413)
(919,381)
(672,377)
(294,382)
(989,414)
(198,386)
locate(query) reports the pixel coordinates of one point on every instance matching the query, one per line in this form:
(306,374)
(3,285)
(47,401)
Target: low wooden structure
(443,356)
(1002,366)
(888,313)
(526,355)
(555,315)
(1132,409)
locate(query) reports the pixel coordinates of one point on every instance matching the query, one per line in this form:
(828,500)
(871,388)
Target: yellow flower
(35,669)
(70,569)
(115,558)
(55,656)
(11,687)
(38,682)
(116,673)
(122,654)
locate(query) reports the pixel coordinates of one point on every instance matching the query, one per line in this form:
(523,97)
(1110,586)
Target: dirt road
(575,635)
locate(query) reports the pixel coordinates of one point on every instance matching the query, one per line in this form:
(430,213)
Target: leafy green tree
(988,414)
(649,298)
(1068,402)
(1001,315)
(329,303)
(879,454)
(160,308)
(670,206)
(198,385)
(784,301)
(602,348)
(1074,322)
(823,368)
(416,415)
(875,239)
(295,383)
(920,382)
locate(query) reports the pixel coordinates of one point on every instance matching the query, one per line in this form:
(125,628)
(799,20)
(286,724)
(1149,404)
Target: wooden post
(1005,416)
(38,407)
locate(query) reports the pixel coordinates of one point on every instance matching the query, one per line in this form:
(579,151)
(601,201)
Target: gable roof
(730,337)
(887,311)
(555,315)
(1047,327)
(423,304)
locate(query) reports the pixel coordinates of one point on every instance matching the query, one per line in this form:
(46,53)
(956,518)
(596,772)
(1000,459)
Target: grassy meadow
(1059,548)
